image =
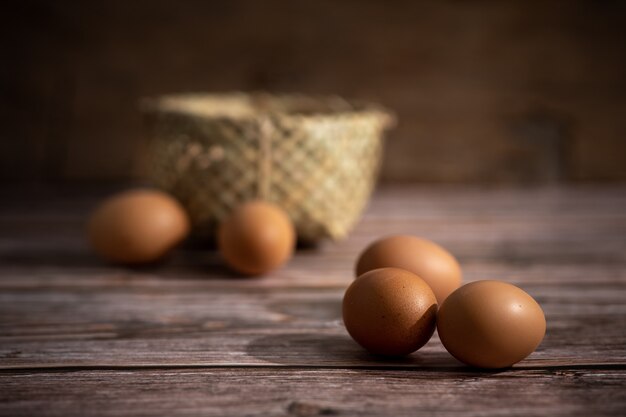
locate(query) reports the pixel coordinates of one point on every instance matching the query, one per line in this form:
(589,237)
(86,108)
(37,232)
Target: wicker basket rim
(250,106)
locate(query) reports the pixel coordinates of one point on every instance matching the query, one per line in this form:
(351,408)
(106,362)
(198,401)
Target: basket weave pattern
(320,166)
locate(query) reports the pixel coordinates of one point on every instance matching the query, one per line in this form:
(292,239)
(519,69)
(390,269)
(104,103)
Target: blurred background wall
(485,91)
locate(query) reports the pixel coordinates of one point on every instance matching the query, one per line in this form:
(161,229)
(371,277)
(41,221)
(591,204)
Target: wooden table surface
(79,337)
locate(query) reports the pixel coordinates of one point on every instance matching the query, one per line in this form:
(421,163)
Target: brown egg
(429,261)
(257,238)
(490,324)
(137,226)
(390,311)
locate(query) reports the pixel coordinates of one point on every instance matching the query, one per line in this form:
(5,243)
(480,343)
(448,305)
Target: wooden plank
(209,275)
(554,225)
(236,323)
(305,392)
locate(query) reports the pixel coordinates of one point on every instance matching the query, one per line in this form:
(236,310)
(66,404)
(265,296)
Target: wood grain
(307,392)
(187,337)
(217,325)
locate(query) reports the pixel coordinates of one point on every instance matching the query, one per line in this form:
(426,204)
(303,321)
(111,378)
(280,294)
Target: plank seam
(450,369)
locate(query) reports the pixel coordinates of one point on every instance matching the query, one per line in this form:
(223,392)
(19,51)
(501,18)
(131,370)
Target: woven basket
(316,157)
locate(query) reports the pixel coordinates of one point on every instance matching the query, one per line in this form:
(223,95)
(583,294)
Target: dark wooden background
(486,91)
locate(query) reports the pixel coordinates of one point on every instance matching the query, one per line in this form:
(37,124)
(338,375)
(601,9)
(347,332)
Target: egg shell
(429,261)
(257,238)
(390,311)
(490,324)
(137,226)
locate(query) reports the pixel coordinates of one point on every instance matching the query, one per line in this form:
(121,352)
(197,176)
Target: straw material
(317,158)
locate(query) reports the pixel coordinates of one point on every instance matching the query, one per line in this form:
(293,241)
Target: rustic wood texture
(312,392)
(185,337)
(485,91)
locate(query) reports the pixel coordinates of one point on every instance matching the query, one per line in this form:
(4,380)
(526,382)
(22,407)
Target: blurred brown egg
(390,311)
(257,238)
(137,226)
(490,324)
(429,261)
